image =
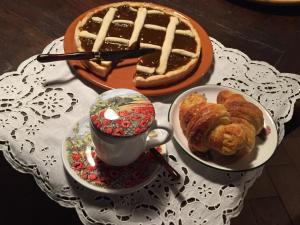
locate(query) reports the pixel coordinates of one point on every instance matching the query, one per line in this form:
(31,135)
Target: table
(253,33)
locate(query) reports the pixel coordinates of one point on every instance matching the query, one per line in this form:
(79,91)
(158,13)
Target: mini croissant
(190,108)
(200,126)
(228,127)
(238,107)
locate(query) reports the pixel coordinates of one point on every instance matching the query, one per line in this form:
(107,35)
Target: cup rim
(98,131)
(94,111)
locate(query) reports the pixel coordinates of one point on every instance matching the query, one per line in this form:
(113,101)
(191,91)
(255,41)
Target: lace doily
(41,102)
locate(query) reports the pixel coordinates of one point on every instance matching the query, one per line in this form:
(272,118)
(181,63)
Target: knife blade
(102,55)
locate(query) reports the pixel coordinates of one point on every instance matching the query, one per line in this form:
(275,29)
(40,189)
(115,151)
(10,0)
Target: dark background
(263,32)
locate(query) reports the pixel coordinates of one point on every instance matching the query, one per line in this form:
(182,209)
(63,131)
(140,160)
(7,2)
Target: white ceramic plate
(80,161)
(263,149)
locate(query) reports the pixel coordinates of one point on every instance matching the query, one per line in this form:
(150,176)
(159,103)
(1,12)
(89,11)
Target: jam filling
(87,44)
(120,30)
(157,19)
(110,46)
(151,60)
(176,61)
(185,42)
(182,26)
(149,36)
(125,13)
(91,26)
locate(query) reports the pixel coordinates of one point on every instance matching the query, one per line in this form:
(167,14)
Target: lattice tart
(130,25)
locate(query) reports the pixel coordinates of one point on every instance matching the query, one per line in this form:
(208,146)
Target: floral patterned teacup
(121,120)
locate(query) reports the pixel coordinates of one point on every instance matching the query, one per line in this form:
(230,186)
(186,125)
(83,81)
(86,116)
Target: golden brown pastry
(228,127)
(130,25)
(226,94)
(239,107)
(227,139)
(198,118)
(200,126)
(249,131)
(189,108)
(235,138)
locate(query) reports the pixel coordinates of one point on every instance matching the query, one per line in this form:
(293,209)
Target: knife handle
(67,56)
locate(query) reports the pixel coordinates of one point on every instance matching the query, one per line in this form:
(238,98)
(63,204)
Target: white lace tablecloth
(41,102)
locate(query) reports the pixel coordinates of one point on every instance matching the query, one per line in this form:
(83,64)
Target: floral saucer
(81,162)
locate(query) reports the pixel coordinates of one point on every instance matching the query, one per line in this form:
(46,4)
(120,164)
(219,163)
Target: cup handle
(160,139)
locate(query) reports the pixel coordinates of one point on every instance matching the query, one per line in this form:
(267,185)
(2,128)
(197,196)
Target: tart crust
(154,80)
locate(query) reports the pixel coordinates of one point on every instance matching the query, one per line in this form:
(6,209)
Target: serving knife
(102,55)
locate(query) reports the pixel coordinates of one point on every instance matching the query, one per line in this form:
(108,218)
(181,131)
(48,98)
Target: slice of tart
(131,25)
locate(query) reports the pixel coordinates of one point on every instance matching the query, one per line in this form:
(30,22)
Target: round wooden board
(122,75)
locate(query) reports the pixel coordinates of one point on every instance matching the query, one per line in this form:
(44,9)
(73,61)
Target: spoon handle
(163,162)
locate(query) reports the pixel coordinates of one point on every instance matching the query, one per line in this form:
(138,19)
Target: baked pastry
(131,25)
(189,108)
(203,123)
(198,118)
(227,139)
(239,107)
(238,137)
(228,127)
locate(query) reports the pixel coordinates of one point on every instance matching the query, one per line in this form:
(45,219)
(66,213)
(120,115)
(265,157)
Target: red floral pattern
(135,115)
(103,175)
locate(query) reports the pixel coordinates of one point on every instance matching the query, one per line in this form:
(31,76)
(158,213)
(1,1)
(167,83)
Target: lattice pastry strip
(103,29)
(167,45)
(138,14)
